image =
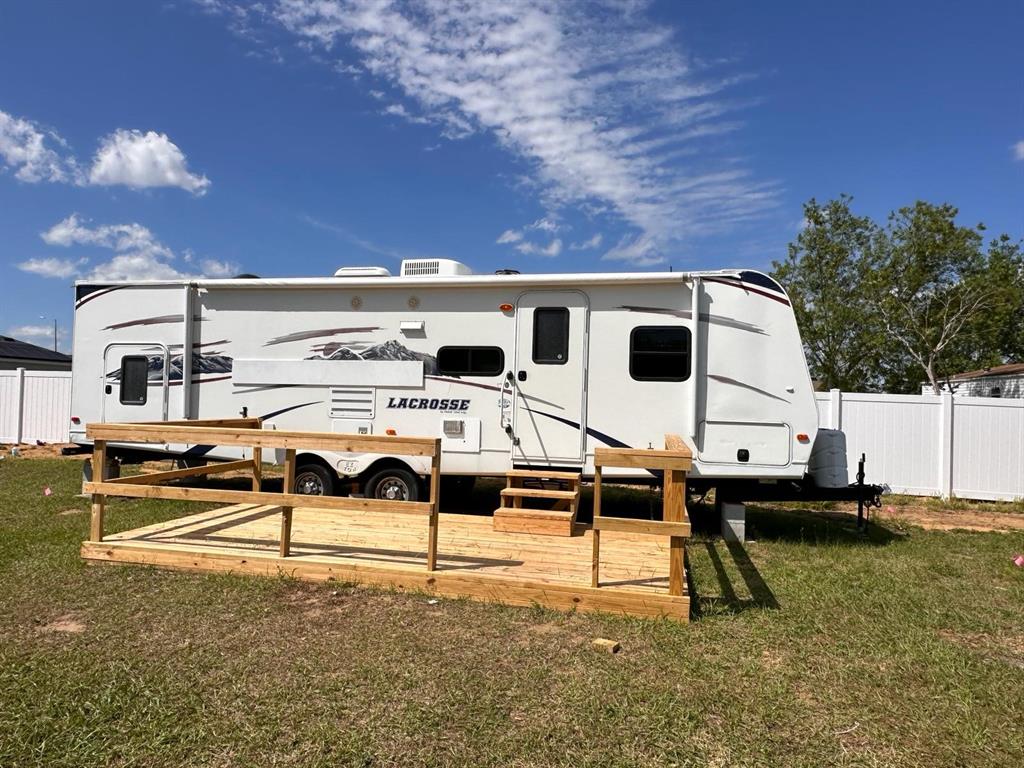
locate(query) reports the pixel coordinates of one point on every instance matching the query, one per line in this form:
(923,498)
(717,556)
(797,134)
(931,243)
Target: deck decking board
(387,549)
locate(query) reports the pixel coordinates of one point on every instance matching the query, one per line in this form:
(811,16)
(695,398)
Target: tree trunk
(936,386)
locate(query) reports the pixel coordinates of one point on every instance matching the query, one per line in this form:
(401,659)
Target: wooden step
(543,474)
(541,521)
(540,493)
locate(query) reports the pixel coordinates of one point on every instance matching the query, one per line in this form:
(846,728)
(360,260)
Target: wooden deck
(385,549)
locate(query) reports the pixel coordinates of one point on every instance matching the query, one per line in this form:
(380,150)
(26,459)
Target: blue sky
(292,137)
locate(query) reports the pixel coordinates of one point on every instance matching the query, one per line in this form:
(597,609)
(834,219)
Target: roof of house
(1009,369)
(22,350)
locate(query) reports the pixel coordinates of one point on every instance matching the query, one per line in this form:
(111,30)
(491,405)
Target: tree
(931,285)
(826,274)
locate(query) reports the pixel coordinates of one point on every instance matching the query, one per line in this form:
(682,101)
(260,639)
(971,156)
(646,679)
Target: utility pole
(55,334)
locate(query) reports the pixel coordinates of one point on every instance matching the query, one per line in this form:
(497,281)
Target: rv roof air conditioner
(363,272)
(434,267)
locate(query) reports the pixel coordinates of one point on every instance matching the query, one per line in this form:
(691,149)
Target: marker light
(803,438)
(75,420)
(505,307)
(390,431)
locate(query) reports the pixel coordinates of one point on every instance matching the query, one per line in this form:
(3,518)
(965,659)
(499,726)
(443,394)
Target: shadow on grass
(729,601)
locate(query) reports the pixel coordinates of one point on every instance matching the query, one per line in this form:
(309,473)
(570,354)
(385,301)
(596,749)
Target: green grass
(811,646)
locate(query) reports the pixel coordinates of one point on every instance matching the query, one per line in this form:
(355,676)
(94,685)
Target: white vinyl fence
(34,405)
(932,445)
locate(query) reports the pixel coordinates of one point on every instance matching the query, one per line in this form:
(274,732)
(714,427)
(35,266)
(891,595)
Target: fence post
(946,445)
(835,409)
(19,427)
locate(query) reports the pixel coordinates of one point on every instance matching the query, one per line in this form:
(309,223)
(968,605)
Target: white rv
(510,370)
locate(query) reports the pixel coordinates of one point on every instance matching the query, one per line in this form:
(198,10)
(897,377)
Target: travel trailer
(509,370)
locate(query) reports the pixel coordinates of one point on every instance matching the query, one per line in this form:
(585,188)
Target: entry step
(548,522)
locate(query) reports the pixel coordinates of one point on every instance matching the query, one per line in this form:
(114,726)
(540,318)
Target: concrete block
(734,521)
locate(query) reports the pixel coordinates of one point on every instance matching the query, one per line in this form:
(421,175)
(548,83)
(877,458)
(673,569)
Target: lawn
(809,646)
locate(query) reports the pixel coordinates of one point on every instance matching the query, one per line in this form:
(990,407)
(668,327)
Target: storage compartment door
(741,442)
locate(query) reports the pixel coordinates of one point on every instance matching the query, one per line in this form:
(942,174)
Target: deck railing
(674,462)
(250,434)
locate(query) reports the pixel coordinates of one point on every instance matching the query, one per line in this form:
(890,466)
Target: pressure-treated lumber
(388,550)
(99,464)
(286,512)
(648,527)
(540,493)
(543,521)
(259,438)
(543,474)
(251,497)
(177,474)
(638,458)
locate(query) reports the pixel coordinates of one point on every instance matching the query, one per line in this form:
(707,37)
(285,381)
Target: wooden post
(99,466)
(595,561)
(286,512)
(435,496)
(257,468)
(674,504)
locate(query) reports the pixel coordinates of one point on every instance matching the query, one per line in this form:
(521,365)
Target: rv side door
(549,379)
(135,382)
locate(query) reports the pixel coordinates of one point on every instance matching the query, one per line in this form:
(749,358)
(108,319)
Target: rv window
(470,361)
(134,375)
(551,335)
(659,353)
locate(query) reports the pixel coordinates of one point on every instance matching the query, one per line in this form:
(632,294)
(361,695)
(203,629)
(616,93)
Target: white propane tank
(827,465)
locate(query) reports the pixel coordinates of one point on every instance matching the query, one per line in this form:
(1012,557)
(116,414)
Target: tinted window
(134,378)
(551,335)
(659,353)
(471,361)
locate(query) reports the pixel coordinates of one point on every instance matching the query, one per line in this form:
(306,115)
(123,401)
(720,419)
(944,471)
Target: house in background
(20,354)
(997,381)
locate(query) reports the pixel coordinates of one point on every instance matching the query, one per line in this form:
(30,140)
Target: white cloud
(600,101)
(35,154)
(51,267)
(589,244)
(137,254)
(34,332)
(554,248)
(1018,150)
(141,160)
(509,236)
(129,158)
(41,335)
(639,251)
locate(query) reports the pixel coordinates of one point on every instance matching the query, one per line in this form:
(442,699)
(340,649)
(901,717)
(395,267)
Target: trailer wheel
(314,480)
(393,484)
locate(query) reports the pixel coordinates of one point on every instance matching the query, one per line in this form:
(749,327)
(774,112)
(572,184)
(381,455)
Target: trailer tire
(314,480)
(393,484)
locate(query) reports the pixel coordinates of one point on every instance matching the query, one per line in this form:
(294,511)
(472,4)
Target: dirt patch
(45,451)
(953,519)
(68,623)
(67,512)
(1008,648)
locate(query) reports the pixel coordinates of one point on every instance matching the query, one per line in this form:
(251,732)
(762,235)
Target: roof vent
(434,268)
(362,272)
(506,271)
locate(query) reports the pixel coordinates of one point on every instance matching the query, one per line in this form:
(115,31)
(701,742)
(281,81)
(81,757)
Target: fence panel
(42,402)
(988,448)
(932,445)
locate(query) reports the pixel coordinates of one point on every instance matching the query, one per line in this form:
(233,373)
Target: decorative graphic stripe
(736,283)
(705,317)
(160,320)
(319,333)
(494,388)
(95,294)
(751,387)
(606,439)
